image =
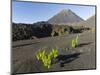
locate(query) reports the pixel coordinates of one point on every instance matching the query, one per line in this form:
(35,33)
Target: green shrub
(46,58)
(75,42)
(55,52)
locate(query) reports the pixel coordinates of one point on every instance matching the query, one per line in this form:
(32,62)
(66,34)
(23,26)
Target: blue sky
(29,12)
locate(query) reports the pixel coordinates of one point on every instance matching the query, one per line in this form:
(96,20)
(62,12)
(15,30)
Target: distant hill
(91,21)
(65,16)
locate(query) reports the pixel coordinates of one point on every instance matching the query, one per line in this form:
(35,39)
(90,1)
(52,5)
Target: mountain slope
(91,20)
(65,16)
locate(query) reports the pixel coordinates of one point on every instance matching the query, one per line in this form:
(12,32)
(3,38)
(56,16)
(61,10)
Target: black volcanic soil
(82,57)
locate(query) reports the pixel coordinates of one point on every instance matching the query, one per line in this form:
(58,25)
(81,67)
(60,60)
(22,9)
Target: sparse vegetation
(60,30)
(75,42)
(21,31)
(42,29)
(46,57)
(27,31)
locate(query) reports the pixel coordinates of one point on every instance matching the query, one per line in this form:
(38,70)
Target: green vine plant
(75,42)
(46,58)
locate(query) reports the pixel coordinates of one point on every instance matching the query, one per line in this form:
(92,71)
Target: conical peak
(66,10)
(65,16)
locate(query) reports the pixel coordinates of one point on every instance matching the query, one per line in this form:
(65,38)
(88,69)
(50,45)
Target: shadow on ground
(84,44)
(63,59)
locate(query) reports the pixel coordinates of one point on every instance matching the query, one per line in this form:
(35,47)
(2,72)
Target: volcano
(65,16)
